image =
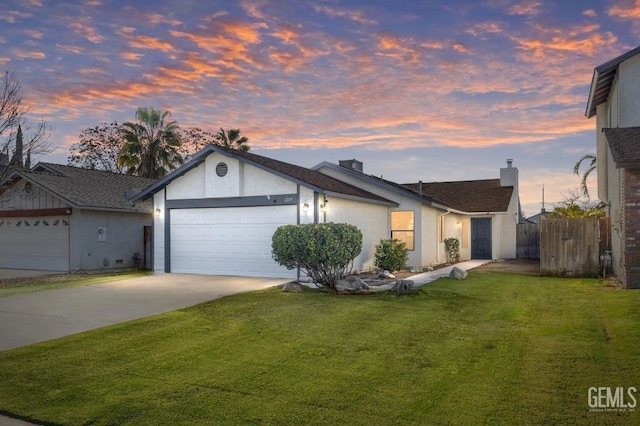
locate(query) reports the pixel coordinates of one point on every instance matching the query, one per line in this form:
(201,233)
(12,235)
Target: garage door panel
(228,241)
(35,243)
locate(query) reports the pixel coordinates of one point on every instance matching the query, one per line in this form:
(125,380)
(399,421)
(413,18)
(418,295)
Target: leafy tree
(151,147)
(17,133)
(232,139)
(99,148)
(592,166)
(573,208)
(324,251)
(391,255)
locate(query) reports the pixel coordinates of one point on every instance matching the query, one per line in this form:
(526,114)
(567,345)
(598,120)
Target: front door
(481,238)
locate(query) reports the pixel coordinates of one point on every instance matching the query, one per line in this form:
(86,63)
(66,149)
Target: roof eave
(376,182)
(591,110)
(387,203)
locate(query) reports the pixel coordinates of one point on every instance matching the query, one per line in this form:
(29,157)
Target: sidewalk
(427,277)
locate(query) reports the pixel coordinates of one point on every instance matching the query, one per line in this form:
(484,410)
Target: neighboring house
(217,213)
(68,219)
(614,99)
(536,218)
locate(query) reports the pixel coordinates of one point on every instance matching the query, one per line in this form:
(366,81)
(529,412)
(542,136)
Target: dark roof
(301,175)
(471,196)
(83,188)
(624,144)
(602,80)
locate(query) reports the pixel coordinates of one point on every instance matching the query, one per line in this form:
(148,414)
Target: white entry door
(40,243)
(228,241)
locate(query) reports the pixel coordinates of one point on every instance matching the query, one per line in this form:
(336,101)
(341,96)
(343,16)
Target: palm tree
(592,167)
(231,139)
(151,145)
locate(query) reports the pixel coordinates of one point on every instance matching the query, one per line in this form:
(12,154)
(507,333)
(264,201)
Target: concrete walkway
(427,277)
(36,317)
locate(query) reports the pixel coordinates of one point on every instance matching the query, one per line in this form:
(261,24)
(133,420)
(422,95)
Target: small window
(222,169)
(403,227)
(28,187)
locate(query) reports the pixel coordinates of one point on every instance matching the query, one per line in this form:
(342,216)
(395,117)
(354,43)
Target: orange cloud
(529,8)
(24,54)
(146,42)
(353,15)
(86,31)
(131,56)
(625,12)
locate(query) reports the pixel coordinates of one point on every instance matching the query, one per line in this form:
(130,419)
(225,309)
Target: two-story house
(614,99)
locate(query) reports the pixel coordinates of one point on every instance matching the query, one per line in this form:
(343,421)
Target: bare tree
(98,149)
(14,125)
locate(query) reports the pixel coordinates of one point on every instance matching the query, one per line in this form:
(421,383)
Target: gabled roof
(83,188)
(624,144)
(602,80)
(475,196)
(470,196)
(300,175)
(382,183)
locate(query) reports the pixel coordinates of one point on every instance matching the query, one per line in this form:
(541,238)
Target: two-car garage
(228,241)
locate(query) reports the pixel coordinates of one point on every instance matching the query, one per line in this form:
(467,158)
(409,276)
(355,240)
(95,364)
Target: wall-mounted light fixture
(68,211)
(157,212)
(305,208)
(325,204)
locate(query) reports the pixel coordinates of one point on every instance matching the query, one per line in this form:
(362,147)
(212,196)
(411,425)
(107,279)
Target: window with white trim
(403,227)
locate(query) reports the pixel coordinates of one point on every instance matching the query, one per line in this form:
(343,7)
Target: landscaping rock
(292,288)
(405,286)
(352,283)
(458,273)
(386,274)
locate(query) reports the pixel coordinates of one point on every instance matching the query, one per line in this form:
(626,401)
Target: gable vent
(222,169)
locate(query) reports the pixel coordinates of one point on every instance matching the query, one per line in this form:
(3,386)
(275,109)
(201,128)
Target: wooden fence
(528,241)
(570,247)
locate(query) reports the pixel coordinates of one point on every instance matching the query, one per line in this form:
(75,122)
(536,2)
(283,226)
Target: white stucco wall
(113,249)
(307,197)
(158,232)
(629,92)
(371,219)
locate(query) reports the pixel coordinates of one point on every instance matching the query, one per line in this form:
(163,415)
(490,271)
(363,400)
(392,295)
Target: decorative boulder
(458,273)
(386,275)
(292,287)
(352,283)
(405,286)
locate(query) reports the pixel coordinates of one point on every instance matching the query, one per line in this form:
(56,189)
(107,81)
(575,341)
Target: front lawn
(15,286)
(495,348)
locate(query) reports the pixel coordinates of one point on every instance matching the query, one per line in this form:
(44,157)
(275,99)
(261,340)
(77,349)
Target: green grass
(492,349)
(13,287)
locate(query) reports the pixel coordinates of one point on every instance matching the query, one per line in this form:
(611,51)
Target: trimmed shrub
(391,255)
(452,248)
(325,251)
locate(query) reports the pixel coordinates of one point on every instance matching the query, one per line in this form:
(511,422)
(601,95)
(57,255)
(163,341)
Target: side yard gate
(566,247)
(570,247)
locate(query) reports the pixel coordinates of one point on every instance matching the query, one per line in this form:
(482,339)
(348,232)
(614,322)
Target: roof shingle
(471,196)
(84,188)
(625,146)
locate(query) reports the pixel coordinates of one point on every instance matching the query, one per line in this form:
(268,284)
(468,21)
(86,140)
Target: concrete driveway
(36,317)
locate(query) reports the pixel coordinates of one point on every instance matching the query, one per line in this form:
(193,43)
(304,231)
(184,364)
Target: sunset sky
(418,90)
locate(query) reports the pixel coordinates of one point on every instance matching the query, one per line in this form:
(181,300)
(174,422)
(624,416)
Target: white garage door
(35,243)
(228,241)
